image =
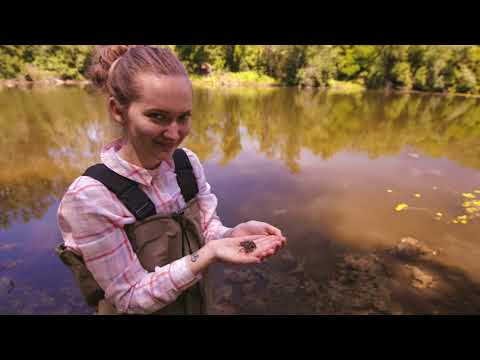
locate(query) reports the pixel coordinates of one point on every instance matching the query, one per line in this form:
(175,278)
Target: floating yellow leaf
(455,221)
(462,217)
(463,221)
(467,203)
(401,207)
(439,214)
(471,210)
(418,195)
(468,195)
(388,190)
(477,191)
(476,202)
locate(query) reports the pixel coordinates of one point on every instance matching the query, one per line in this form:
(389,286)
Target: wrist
(201,259)
(210,250)
(229,232)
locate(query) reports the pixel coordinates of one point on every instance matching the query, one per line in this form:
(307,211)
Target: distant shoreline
(225,82)
(14,83)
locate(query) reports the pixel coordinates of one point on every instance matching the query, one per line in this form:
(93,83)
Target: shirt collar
(110,157)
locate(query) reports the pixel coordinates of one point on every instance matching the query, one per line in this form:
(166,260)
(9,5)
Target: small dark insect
(248,246)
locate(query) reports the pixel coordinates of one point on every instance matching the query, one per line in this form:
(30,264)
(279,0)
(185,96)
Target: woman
(141,227)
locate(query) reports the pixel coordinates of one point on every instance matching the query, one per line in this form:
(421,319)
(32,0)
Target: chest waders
(156,239)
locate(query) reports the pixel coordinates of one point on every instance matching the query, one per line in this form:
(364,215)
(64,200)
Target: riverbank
(20,83)
(245,79)
(238,79)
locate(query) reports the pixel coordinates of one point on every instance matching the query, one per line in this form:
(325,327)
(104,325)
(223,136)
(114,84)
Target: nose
(172,133)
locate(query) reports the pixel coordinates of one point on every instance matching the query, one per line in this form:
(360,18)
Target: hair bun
(102,60)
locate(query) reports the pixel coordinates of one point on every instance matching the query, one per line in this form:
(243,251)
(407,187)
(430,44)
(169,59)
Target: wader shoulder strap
(185,177)
(130,194)
(127,191)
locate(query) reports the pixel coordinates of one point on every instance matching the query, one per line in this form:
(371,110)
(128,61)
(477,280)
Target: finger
(266,239)
(257,239)
(268,242)
(272,230)
(283,241)
(266,254)
(281,238)
(251,238)
(267,249)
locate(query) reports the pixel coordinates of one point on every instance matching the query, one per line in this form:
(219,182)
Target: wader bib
(156,239)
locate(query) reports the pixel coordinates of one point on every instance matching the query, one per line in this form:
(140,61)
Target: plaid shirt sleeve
(91,221)
(211,224)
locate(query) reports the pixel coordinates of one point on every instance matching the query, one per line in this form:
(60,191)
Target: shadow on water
(359,283)
(434,288)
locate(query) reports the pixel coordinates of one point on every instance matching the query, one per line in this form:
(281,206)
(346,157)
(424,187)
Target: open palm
(230,249)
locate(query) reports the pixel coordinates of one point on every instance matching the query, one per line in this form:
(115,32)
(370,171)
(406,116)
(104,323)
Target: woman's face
(158,121)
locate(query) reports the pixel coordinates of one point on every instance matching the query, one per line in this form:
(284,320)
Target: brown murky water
(328,169)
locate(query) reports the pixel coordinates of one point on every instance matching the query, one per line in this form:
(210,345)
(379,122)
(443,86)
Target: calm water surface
(328,169)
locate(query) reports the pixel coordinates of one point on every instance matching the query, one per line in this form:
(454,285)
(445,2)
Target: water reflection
(313,163)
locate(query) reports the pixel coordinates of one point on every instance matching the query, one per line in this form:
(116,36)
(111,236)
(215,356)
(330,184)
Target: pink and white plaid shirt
(91,220)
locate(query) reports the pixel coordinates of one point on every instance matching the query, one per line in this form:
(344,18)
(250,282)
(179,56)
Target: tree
(11,60)
(466,81)
(194,56)
(401,75)
(420,78)
(320,68)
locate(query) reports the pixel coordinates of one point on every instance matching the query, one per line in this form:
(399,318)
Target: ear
(116,111)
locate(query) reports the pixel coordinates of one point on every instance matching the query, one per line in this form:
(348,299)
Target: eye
(184,118)
(157,116)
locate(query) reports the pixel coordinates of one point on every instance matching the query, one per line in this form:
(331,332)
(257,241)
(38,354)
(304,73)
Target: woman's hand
(256,228)
(230,249)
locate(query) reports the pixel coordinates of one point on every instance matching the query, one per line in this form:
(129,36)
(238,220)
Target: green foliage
(401,75)
(66,61)
(247,78)
(466,81)
(440,68)
(321,68)
(420,78)
(63,61)
(354,59)
(12,60)
(286,61)
(194,56)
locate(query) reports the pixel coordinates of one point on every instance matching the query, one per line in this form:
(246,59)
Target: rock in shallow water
(420,279)
(6,285)
(410,248)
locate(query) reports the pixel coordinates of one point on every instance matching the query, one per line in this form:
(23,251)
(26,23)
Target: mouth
(165,145)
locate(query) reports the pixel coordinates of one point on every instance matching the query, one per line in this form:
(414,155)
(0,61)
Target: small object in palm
(248,246)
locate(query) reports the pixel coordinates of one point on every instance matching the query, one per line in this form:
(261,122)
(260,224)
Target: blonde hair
(114,68)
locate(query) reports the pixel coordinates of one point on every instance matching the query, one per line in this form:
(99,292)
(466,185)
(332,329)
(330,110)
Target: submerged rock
(6,285)
(7,247)
(365,264)
(223,309)
(410,248)
(420,279)
(239,276)
(224,294)
(360,285)
(382,282)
